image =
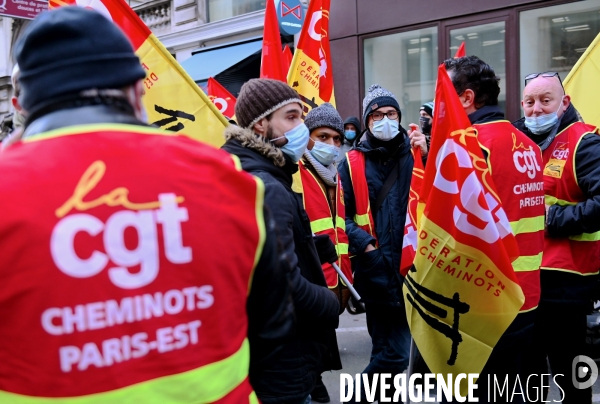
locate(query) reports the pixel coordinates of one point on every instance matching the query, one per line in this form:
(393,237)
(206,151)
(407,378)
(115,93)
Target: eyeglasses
(378,116)
(532,76)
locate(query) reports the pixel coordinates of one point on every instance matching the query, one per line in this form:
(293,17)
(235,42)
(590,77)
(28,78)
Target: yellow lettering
(117,197)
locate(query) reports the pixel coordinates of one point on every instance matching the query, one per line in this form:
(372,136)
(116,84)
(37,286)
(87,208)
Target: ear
(15,103)
(261,126)
(566,102)
(135,99)
(468,99)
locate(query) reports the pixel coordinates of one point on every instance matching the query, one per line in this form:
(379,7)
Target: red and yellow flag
(223,99)
(311,71)
(409,242)
(461,51)
(463,293)
(172,99)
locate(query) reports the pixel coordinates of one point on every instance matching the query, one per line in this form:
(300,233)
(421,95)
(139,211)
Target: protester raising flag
(223,99)
(311,71)
(409,242)
(461,51)
(271,64)
(173,101)
(463,293)
(583,83)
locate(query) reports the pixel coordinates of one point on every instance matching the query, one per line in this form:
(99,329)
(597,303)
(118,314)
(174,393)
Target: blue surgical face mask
(297,141)
(386,129)
(543,123)
(325,153)
(350,135)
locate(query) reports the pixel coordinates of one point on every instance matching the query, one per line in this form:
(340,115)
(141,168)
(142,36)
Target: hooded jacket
(383,264)
(292,377)
(347,144)
(564,221)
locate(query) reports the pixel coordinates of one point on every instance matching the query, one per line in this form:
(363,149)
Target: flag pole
(346,281)
(411,364)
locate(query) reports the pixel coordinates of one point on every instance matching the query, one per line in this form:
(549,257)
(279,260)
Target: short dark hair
(470,72)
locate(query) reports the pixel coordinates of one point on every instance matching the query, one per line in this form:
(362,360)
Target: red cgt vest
(576,254)
(125,271)
(322,221)
(515,163)
(363,216)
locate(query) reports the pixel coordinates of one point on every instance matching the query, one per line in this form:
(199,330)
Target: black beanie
(71,49)
(378,97)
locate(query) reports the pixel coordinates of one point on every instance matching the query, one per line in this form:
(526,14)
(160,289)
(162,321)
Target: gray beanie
(378,97)
(325,115)
(259,98)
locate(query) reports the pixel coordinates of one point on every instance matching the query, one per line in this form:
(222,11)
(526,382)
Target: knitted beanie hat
(428,108)
(378,97)
(71,49)
(260,97)
(325,115)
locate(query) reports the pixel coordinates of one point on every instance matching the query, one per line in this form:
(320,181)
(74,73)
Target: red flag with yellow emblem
(463,293)
(173,101)
(311,71)
(222,98)
(409,242)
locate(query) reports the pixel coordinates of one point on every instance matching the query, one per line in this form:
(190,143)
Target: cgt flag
(409,242)
(287,58)
(223,99)
(271,64)
(310,73)
(462,293)
(583,83)
(172,99)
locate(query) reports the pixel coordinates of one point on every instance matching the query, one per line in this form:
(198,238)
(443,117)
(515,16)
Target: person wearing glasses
(570,263)
(515,164)
(376,178)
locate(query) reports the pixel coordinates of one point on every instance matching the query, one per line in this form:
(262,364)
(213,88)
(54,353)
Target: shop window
(485,41)
(405,64)
(553,38)
(221,9)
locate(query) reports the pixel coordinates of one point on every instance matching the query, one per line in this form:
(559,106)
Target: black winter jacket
(376,273)
(292,377)
(564,221)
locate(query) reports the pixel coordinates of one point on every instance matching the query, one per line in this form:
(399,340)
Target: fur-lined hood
(248,139)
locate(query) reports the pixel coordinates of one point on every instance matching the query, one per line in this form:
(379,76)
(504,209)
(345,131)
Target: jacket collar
(486,114)
(258,154)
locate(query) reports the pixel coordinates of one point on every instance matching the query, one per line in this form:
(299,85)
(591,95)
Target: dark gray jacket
(292,377)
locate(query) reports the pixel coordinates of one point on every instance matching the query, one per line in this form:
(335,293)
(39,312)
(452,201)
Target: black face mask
(425,125)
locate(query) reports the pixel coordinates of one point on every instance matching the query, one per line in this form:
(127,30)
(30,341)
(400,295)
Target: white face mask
(325,153)
(386,129)
(543,123)
(297,142)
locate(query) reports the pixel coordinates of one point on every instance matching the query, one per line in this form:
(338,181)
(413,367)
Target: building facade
(400,43)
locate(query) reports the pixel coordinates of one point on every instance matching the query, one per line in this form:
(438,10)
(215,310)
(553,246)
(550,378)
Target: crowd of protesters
(142,266)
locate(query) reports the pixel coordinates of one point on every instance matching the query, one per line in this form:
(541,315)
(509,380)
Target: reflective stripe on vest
(187,387)
(363,216)
(150,340)
(577,253)
(316,204)
(515,162)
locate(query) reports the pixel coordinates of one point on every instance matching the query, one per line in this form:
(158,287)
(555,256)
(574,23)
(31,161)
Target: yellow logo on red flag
(463,293)
(311,72)
(409,242)
(173,101)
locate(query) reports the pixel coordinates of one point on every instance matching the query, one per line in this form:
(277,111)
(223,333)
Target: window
(486,41)
(405,64)
(553,38)
(221,9)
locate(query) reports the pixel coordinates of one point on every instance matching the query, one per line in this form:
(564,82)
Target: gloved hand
(325,248)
